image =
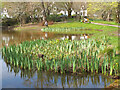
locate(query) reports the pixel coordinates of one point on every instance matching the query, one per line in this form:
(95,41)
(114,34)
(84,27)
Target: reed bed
(62,56)
(68,30)
(62,29)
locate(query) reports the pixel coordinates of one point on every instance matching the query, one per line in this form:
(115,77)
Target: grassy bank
(29,27)
(84,28)
(88,28)
(105,22)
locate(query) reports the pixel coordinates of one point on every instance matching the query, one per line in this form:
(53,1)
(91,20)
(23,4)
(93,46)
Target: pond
(14,37)
(15,78)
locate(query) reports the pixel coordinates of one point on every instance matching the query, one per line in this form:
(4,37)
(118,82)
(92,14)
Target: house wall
(83,12)
(5,13)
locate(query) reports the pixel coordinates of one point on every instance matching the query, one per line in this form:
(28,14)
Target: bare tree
(47,7)
(104,10)
(44,12)
(78,6)
(19,10)
(66,6)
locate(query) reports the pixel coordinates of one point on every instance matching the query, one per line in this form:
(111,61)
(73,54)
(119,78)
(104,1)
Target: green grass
(107,30)
(79,24)
(105,22)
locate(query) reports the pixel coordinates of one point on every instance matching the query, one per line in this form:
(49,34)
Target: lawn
(105,22)
(111,32)
(86,28)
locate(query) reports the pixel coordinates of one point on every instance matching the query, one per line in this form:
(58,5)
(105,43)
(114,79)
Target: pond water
(15,78)
(14,37)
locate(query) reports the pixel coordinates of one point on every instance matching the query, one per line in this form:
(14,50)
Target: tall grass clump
(62,56)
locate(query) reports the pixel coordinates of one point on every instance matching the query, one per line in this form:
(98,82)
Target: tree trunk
(20,19)
(48,12)
(24,19)
(69,37)
(44,12)
(79,15)
(104,16)
(32,19)
(108,17)
(69,12)
(118,12)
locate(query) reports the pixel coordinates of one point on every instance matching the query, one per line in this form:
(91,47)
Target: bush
(9,21)
(28,19)
(54,18)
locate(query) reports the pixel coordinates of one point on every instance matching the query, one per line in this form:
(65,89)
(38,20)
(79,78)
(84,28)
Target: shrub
(9,21)
(54,18)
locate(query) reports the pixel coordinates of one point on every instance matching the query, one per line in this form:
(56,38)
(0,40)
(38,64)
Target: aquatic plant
(62,55)
(69,30)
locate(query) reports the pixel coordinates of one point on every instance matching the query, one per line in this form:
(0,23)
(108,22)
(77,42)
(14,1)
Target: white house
(83,12)
(4,13)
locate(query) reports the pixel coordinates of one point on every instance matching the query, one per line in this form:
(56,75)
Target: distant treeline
(26,12)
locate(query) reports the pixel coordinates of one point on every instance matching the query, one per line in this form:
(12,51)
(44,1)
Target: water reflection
(38,79)
(15,37)
(14,77)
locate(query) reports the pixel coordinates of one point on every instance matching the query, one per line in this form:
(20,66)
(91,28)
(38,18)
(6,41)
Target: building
(4,13)
(83,11)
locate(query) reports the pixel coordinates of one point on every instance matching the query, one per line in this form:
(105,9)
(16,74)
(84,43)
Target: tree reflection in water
(16,37)
(40,79)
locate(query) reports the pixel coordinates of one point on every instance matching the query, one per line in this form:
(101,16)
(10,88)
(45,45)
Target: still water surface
(15,37)
(15,78)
